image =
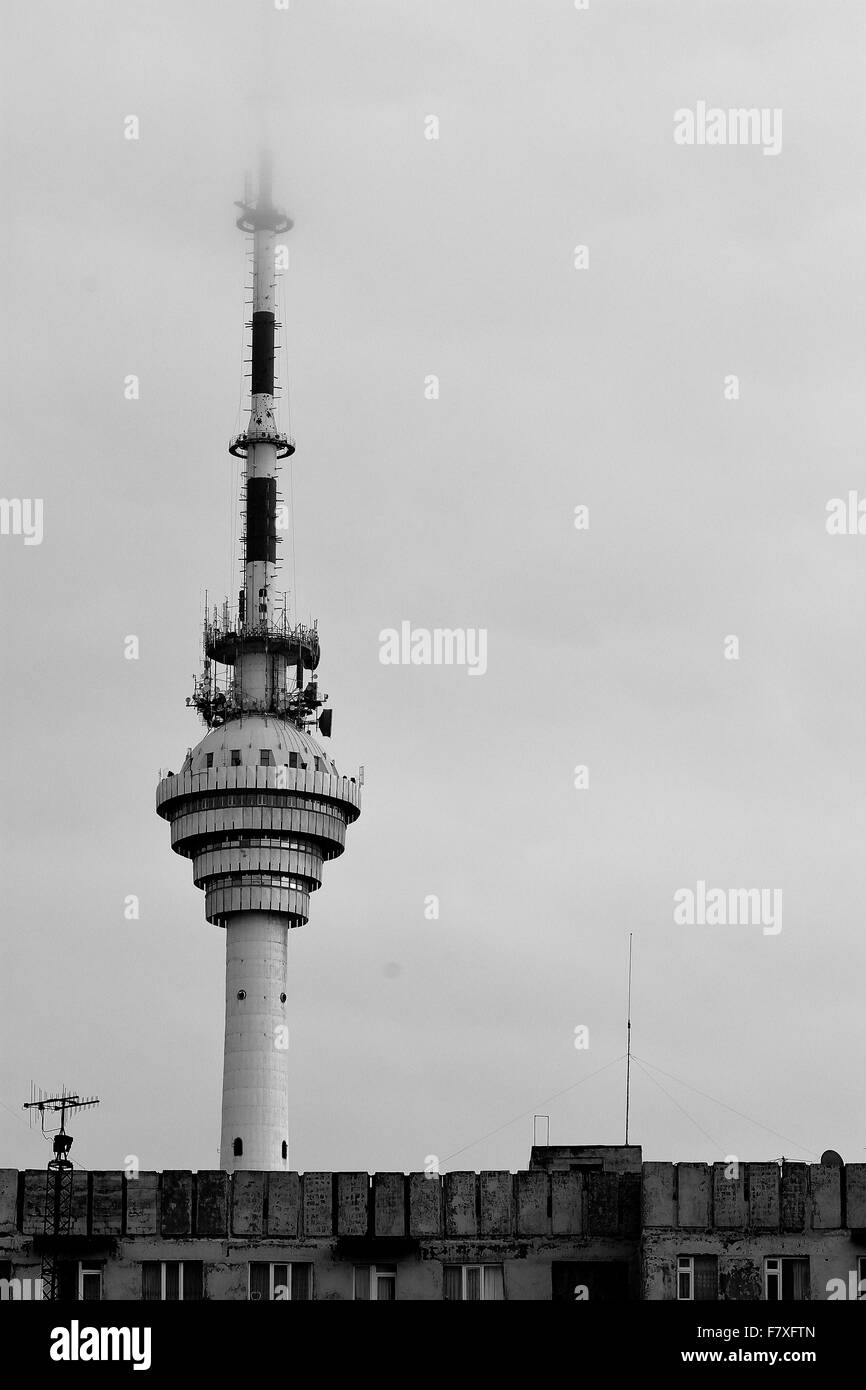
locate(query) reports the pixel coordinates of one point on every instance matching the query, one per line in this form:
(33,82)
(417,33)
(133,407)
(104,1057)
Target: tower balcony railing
(239,445)
(227,638)
(175,787)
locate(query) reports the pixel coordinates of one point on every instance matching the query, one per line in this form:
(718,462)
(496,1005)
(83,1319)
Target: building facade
(580,1224)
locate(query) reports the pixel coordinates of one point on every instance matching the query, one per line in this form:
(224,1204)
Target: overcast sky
(558,387)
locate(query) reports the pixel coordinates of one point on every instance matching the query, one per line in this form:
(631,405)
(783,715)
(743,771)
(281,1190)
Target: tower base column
(255,1112)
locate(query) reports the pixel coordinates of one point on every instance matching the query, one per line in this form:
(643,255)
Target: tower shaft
(255,1108)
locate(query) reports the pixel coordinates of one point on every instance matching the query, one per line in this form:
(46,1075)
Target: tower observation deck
(258,805)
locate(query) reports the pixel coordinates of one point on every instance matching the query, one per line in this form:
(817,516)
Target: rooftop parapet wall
(793,1197)
(295,1206)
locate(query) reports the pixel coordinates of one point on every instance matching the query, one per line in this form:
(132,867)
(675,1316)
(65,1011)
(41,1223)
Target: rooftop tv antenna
(57,1211)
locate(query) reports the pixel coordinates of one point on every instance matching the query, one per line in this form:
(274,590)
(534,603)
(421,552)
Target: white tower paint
(256,1061)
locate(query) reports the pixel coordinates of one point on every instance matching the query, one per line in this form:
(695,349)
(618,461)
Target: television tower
(258,805)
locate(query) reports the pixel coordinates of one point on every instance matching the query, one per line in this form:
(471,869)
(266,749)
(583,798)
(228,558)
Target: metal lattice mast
(57,1212)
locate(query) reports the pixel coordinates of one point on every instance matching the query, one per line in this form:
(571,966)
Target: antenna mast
(628,1047)
(57,1217)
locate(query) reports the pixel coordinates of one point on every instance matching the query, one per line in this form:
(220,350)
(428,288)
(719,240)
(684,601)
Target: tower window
(208,762)
(242,994)
(282,999)
(266,757)
(285,1149)
(235,757)
(293,760)
(238,1148)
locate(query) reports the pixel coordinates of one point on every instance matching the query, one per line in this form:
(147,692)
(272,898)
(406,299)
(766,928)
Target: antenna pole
(628,1047)
(57,1208)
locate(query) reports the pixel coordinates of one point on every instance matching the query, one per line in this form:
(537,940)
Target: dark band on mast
(263,353)
(261,519)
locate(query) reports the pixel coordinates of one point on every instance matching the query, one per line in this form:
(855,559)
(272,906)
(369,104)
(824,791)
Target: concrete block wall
(334,1220)
(762,1210)
(794,1198)
(760,1196)
(321,1206)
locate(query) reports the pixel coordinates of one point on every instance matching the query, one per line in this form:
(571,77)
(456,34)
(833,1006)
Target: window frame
(774,1266)
(288,1265)
(162,1273)
(773,1269)
(686,1268)
(87,1269)
(374,1274)
(481,1266)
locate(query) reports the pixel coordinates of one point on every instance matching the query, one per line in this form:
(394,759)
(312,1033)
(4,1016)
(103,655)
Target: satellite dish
(831,1159)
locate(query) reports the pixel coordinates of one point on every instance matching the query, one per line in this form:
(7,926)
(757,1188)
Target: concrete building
(580,1224)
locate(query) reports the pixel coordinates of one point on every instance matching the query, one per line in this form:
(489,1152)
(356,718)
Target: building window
(89,1282)
(208,761)
(29,1286)
(376,1282)
(169,1281)
(293,760)
(469,1282)
(281,1281)
(235,755)
(786,1279)
(861,1278)
(266,757)
(698,1277)
(285,1149)
(26,1286)
(238,1148)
